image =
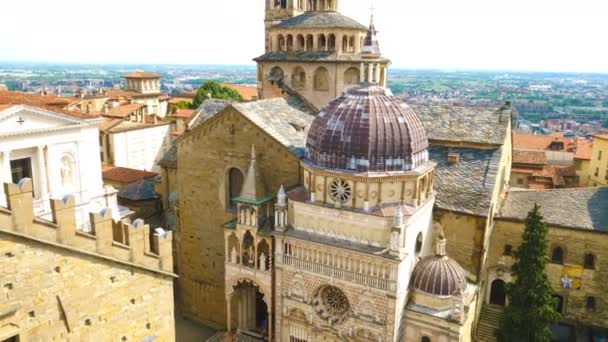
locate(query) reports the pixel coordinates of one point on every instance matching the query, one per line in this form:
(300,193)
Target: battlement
(119,241)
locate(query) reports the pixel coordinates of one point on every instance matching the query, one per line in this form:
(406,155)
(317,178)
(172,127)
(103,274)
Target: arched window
(321,43)
(298,78)
(309,42)
(289,42)
(331,42)
(589,261)
(321,79)
(419,241)
(351,44)
(276,74)
(351,76)
(557,256)
(234,186)
(345,44)
(425,339)
(300,43)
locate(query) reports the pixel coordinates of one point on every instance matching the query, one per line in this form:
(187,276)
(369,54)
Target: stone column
(362,73)
(229,312)
(385,71)
(378,73)
(42,175)
(370,73)
(5,175)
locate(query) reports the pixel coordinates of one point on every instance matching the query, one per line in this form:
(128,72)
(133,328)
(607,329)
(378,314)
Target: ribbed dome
(439,276)
(367,129)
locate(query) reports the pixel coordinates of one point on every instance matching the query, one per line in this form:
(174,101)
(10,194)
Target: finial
(440,246)
(252,152)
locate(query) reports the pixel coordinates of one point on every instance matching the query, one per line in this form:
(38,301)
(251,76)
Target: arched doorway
(249,313)
(498,293)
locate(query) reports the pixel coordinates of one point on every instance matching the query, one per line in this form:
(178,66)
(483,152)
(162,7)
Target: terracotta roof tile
(584,149)
(142,74)
(123,111)
(529,157)
(541,142)
(183,113)
(247,92)
(51,103)
(125,175)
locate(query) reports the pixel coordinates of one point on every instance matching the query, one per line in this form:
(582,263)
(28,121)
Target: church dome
(440,276)
(367,129)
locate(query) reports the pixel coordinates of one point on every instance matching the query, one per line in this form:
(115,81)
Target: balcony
(381,283)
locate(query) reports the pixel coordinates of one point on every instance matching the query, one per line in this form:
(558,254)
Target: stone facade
(597,169)
(205,157)
(113,284)
(576,244)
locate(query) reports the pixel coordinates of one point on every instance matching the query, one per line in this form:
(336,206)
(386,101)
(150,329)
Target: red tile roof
(601,136)
(529,157)
(584,149)
(184,113)
(247,92)
(125,175)
(142,74)
(540,142)
(48,102)
(123,111)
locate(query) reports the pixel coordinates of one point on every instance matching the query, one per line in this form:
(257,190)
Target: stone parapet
(128,243)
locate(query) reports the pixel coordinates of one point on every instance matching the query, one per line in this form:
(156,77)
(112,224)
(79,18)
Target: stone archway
(249,313)
(498,292)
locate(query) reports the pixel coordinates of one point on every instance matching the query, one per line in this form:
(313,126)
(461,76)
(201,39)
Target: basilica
(331,210)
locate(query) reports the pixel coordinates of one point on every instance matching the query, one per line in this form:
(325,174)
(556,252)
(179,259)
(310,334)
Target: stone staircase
(488,323)
(221,336)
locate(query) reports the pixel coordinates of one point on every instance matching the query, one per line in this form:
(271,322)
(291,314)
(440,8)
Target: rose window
(340,190)
(331,304)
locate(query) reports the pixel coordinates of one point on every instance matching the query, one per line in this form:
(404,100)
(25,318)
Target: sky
(517,35)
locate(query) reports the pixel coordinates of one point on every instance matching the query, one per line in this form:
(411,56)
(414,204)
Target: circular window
(340,190)
(331,303)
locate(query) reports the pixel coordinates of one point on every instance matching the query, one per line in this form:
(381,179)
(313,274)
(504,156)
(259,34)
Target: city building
(113,283)
(598,164)
(134,140)
(530,170)
(59,151)
(312,50)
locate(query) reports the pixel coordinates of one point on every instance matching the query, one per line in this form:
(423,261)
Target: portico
(60,154)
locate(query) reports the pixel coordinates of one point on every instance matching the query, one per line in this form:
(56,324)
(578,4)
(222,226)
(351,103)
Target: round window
(331,303)
(340,190)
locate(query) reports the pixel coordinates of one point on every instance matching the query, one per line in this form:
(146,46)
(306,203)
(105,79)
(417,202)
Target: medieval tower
(315,52)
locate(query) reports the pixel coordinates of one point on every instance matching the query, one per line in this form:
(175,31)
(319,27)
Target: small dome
(439,275)
(367,129)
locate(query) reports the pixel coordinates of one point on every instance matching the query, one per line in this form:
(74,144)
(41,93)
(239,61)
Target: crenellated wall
(58,283)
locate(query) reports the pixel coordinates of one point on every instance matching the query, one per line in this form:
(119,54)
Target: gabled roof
(318,20)
(53,120)
(582,208)
(529,157)
(206,110)
(541,142)
(124,110)
(465,186)
(287,124)
(474,125)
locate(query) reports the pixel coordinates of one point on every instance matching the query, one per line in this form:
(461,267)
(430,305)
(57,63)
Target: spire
(253,187)
(371,45)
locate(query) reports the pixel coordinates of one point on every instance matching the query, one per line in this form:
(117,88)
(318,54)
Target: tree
(531,309)
(214,90)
